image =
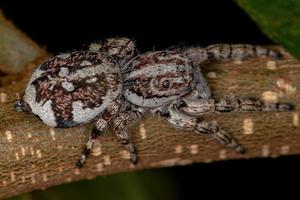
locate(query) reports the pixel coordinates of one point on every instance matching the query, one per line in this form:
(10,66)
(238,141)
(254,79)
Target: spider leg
(201,88)
(178,119)
(95,46)
(199,107)
(229,52)
(100,125)
(119,126)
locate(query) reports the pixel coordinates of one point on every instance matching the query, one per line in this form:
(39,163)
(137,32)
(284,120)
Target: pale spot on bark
(142,131)
(96,150)
(167,162)
(17,156)
(29,135)
(38,153)
(12,176)
(222,154)
(132,166)
(211,75)
(178,148)
(284,150)
(207,160)
(31,151)
(23,179)
(45,178)
(248,126)
(238,62)
(193,148)
(295,119)
(59,147)
(60,169)
(4,183)
(33,180)
(107,160)
(69,179)
(285,86)
(23,151)
(125,155)
(52,134)
(270,97)
(265,150)
(271,65)
(233,87)
(99,167)
(76,171)
(8,135)
(3,97)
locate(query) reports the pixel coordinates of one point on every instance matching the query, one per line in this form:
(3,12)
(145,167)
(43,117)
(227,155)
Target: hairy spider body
(155,78)
(109,84)
(74,88)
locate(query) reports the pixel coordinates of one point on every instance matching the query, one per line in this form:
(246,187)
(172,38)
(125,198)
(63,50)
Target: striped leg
(100,125)
(201,106)
(119,125)
(229,51)
(178,119)
(239,51)
(213,130)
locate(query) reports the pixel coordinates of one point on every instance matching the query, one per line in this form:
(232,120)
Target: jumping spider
(113,85)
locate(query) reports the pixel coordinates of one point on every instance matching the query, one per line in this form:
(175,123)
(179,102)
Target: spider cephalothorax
(155,78)
(106,83)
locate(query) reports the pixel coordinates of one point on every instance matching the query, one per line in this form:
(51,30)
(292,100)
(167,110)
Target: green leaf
(142,185)
(279,19)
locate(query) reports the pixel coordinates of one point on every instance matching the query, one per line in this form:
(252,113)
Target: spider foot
(133,153)
(86,152)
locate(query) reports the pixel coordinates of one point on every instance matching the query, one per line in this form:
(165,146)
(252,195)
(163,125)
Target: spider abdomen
(74,88)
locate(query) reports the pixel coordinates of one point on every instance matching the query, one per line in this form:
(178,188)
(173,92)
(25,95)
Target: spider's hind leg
(119,126)
(98,129)
(178,119)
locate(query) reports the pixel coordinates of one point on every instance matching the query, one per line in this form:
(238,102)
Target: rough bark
(34,156)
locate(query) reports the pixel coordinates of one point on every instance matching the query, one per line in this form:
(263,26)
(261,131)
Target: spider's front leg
(186,114)
(111,111)
(120,124)
(121,48)
(229,52)
(198,107)
(178,119)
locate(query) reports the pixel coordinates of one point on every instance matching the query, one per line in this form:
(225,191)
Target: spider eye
(166,84)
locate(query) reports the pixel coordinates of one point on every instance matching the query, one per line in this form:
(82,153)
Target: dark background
(64,26)
(61,27)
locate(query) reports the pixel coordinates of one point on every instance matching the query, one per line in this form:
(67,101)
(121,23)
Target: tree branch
(34,156)
(17,50)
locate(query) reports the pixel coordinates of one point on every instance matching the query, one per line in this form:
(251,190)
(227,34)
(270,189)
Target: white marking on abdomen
(68,86)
